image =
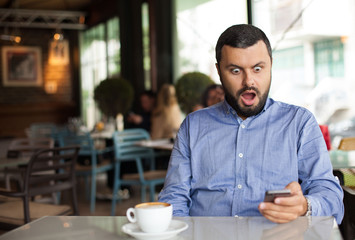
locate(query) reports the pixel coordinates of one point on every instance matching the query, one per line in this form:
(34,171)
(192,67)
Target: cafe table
(105,134)
(198,228)
(13,162)
(162,144)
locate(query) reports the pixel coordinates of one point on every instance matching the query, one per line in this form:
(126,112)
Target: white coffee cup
(151,217)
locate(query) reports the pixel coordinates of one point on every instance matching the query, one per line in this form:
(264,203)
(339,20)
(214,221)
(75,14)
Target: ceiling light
(12,38)
(58,36)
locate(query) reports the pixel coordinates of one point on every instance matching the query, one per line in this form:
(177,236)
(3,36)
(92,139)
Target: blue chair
(125,148)
(90,170)
(41,130)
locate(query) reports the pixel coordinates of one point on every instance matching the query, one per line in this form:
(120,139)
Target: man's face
(147,103)
(246,76)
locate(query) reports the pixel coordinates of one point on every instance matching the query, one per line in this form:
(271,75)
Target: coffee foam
(152,205)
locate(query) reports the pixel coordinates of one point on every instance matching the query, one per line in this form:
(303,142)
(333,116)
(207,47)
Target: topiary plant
(189,88)
(114,96)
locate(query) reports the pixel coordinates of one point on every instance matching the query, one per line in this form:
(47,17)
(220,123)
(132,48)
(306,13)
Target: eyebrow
(259,63)
(236,66)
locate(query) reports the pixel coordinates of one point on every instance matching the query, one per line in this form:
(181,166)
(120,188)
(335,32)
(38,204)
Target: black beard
(247,111)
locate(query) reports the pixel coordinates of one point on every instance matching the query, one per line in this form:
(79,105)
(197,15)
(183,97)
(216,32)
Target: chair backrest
(85,142)
(50,171)
(325,132)
(347,144)
(125,147)
(27,146)
(37,130)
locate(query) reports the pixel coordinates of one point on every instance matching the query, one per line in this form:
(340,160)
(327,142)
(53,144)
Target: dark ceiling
(63,5)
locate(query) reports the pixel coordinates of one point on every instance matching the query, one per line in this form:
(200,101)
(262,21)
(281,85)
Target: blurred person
(212,95)
(167,115)
(142,119)
(227,156)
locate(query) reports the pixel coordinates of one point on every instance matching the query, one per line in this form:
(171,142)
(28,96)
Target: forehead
(253,54)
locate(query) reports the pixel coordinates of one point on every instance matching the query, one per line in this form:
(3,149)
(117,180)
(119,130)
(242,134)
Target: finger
(288,201)
(276,209)
(295,209)
(279,217)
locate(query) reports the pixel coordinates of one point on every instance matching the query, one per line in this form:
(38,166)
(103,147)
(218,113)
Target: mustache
(248,89)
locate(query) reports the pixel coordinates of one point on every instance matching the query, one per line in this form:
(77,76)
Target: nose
(249,79)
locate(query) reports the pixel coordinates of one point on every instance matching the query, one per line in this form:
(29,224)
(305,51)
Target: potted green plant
(114,96)
(189,88)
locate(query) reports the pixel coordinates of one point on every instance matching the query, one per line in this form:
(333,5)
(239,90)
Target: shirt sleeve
(316,173)
(177,184)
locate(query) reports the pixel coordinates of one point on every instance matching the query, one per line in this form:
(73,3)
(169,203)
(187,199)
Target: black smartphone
(272,194)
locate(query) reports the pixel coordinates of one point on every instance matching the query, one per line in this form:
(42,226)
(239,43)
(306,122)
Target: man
(143,119)
(226,156)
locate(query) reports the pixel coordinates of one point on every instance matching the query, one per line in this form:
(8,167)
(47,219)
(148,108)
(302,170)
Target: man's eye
(236,70)
(257,69)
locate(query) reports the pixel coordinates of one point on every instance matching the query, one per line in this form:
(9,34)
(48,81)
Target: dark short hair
(241,36)
(149,93)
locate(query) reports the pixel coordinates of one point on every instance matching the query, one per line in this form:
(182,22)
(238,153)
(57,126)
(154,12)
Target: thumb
(295,187)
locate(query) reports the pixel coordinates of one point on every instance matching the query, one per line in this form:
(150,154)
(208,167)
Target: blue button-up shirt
(221,165)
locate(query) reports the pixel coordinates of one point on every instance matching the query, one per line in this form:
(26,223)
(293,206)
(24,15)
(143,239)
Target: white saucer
(175,228)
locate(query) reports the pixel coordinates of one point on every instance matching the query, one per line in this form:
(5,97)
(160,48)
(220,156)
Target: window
(329,59)
(113,47)
(146,43)
(288,70)
(100,58)
(199,24)
(314,53)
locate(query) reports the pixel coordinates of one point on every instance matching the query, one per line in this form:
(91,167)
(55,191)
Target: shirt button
(243,126)
(240,155)
(239,186)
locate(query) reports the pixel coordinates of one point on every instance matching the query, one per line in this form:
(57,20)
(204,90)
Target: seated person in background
(226,156)
(167,116)
(142,118)
(212,95)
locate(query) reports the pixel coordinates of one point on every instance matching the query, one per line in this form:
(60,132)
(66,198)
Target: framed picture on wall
(21,66)
(58,52)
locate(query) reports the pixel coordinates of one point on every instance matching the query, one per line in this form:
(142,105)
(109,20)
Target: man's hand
(285,209)
(135,118)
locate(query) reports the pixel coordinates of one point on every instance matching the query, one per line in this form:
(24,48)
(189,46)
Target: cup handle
(131,215)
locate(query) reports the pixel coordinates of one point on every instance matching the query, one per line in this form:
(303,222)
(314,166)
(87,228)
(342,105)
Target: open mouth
(248,98)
